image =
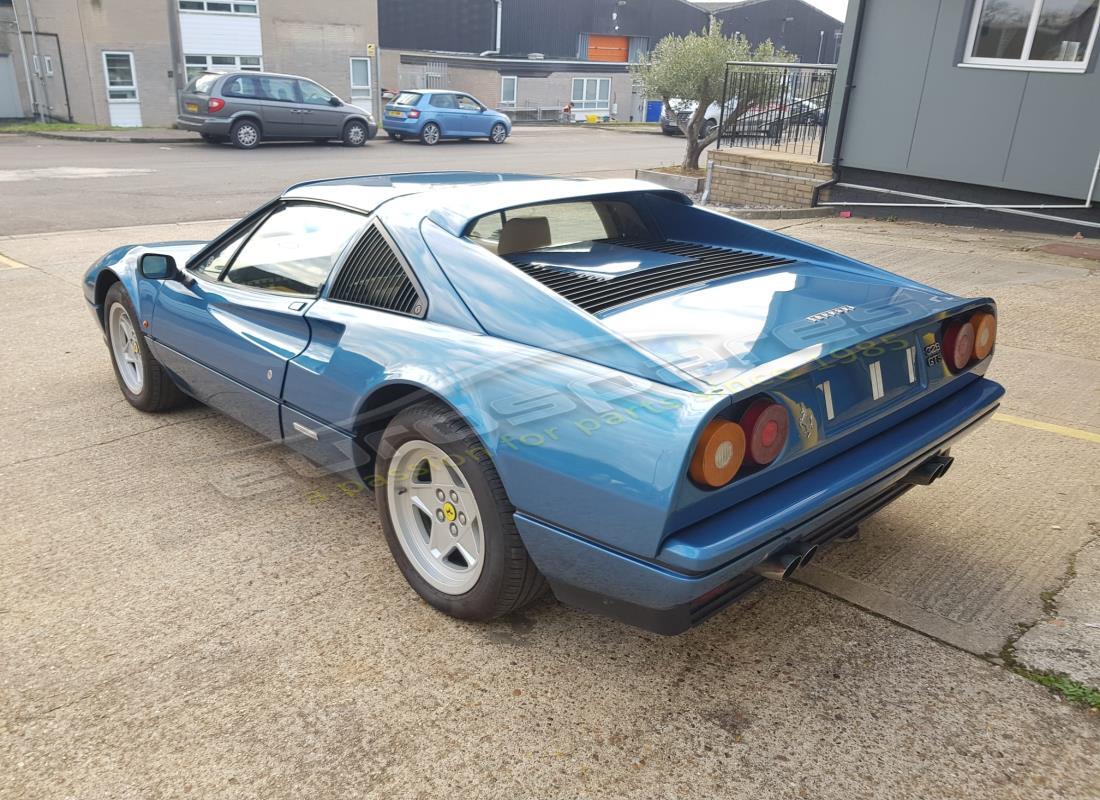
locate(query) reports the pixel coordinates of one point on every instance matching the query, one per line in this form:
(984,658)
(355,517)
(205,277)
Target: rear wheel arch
(378,409)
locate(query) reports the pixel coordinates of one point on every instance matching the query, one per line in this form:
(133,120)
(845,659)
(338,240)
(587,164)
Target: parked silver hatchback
(245,108)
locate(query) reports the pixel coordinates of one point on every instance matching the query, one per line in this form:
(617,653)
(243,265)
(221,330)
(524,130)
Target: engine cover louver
(374,276)
(595,293)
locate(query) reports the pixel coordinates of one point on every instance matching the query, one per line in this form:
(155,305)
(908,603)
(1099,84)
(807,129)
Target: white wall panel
(220,34)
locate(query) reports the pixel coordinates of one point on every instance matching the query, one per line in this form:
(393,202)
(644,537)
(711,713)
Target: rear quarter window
(202,84)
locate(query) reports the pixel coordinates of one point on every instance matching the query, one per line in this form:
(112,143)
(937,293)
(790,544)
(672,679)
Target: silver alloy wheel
(435,516)
(247,134)
(431,133)
(126,348)
(499,133)
(357,134)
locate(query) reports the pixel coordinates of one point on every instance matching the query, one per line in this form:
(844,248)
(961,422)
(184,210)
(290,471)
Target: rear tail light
(414,114)
(985,333)
(215,104)
(719,454)
(958,344)
(765,425)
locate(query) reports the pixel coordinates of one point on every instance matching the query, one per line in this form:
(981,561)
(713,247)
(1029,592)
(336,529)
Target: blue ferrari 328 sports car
(591,386)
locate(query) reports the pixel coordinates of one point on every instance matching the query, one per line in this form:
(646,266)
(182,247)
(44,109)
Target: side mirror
(158,267)
(335,101)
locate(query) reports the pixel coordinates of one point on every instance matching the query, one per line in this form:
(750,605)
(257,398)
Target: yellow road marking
(1088,436)
(11,263)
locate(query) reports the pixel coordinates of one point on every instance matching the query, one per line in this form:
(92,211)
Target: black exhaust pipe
(929,471)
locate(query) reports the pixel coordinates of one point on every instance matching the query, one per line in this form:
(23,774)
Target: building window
(1033,34)
(508,90)
(591,94)
(119,69)
(360,79)
(197,64)
(218,7)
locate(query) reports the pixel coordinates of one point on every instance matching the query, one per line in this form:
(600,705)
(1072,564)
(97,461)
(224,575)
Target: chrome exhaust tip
(778,567)
(805,553)
(929,471)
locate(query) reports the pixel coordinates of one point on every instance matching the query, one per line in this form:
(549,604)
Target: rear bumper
(401,125)
(682,586)
(211,125)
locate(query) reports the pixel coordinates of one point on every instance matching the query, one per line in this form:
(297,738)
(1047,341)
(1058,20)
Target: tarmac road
(186,610)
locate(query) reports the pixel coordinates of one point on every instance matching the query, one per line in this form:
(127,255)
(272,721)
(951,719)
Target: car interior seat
(521,234)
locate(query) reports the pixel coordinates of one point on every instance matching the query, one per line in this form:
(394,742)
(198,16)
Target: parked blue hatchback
(431,115)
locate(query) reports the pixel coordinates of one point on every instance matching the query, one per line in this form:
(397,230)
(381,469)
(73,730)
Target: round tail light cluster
(965,341)
(756,440)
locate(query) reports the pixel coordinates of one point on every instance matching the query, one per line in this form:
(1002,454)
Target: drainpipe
(26,66)
(842,119)
(496,50)
(44,104)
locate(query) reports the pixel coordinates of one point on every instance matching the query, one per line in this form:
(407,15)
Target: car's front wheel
(143,381)
(355,134)
(245,134)
(447,519)
(430,134)
(498,134)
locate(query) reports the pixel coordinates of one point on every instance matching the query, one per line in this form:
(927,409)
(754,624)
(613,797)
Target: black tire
(245,134)
(397,137)
(430,134)
(210,138)
(158,392)
(498,133)
(355,134)
(509,579)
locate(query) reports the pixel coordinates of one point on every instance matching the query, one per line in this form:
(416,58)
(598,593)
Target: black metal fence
(781,107)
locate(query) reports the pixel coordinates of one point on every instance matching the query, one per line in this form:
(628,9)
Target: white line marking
(65,173)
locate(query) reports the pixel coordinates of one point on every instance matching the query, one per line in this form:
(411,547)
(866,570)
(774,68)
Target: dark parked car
(245,108)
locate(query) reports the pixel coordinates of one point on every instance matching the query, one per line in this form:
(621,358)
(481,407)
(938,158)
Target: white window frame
(359,91)
(515,90)
(209,65)
(594,104)
(231,3)
(1024,63)
(127,88)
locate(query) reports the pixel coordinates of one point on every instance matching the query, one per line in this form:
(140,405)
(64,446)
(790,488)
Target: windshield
(202,84)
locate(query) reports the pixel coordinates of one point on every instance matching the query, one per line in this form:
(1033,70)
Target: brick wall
(741,179)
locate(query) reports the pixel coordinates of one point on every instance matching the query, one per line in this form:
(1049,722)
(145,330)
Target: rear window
(407,99)
(202,84)
(557,224)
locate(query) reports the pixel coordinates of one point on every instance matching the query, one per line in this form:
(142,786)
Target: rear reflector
(215,104)
(765,423)
(958,344)
(985,333)
(719,454)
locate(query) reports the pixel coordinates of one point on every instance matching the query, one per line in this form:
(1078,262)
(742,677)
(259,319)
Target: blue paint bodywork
(591,419)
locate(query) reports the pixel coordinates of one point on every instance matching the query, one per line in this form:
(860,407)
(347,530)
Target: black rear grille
(702,263)
(374,276)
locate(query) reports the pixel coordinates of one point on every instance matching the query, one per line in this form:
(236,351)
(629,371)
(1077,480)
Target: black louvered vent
(374,276)
(596,293)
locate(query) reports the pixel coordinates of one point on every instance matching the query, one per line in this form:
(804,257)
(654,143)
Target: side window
(375,276)
(443,100)
(295,249)
(313,94)
(214,264)
(282,89)
(468,103)
(240,86)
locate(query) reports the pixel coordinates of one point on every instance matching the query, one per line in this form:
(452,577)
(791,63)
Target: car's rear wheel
(498,133)
(143,381)
(355,134)
(245,134)
(430,134)
(447,519)
(397,137)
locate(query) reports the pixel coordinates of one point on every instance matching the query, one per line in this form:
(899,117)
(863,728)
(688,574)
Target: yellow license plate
(192,107)
(395,113)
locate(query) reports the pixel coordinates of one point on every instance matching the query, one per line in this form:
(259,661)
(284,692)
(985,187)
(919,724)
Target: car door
(281,117)
(317,114)
(445,112)
(229,329)
(472,117)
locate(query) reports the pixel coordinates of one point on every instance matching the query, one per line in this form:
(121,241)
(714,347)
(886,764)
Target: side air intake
(595,293)
(374,276)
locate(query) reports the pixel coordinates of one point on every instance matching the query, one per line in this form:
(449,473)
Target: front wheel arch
(103,283)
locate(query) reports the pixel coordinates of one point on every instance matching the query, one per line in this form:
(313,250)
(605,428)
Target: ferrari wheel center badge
(449,511)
